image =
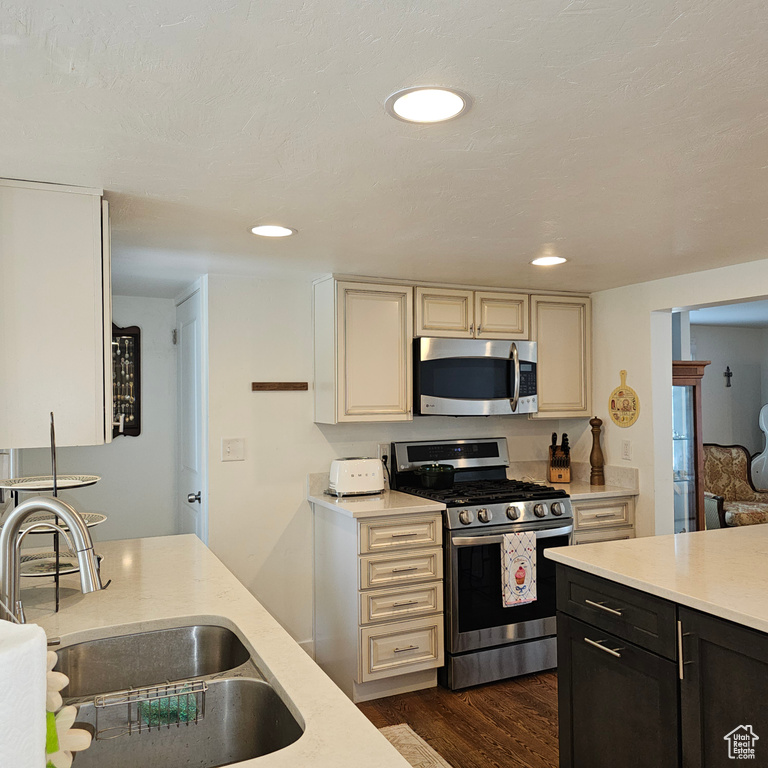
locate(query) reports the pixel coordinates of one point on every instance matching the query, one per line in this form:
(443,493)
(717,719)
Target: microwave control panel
(527,379)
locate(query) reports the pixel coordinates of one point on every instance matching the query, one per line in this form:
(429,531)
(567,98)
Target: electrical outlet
(626,450)
(384,449)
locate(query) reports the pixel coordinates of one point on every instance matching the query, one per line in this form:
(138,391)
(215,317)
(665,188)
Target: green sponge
(180,708)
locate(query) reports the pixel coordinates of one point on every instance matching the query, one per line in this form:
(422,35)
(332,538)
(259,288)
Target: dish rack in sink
(151,708)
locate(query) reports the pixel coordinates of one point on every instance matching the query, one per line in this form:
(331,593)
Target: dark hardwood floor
(510,724)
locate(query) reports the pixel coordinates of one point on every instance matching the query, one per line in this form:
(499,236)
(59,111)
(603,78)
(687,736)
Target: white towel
(518,568)
(22,695)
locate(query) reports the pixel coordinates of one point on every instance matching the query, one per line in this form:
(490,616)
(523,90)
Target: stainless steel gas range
(484,640)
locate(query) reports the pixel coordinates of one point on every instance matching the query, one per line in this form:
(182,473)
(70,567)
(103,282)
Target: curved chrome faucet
(79,538)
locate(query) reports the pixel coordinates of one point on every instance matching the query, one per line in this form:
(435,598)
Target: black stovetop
(487,492)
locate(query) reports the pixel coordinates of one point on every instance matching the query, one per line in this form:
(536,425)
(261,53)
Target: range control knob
(557,508)
(466,517)
(540,510)
(513,512)
(484,515)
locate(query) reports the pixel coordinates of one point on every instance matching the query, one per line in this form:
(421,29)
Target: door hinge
(175,336)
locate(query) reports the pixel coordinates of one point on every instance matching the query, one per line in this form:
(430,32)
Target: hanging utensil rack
(126,381)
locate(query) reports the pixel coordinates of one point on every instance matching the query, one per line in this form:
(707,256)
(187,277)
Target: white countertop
(176,580)
(580,491)
(722,572)
(379,505)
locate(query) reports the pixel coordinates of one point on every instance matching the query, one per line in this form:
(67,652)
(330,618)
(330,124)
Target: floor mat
(412,747)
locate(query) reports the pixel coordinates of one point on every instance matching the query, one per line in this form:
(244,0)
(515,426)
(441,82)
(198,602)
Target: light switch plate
(626,450)
(232,449)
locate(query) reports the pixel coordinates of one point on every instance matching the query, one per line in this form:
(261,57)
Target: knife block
(558,465)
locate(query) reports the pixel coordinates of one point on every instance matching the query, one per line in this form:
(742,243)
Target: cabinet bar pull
(405,602)
(606,514)
(407,648)
(598,644)
(401,535)
(680,663)
(402,570)
(603,607)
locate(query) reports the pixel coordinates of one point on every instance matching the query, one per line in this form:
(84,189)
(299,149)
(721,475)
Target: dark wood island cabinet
(646,682)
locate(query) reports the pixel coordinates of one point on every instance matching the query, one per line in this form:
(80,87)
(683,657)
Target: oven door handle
(541,533)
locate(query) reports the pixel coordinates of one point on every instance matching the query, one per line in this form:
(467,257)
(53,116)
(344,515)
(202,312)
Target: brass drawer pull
(403,535)
(405,602)
(603,607)
(403,570)
(599,644)
(408,648)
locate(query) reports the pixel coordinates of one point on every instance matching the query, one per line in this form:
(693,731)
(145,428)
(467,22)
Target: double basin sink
(184,697)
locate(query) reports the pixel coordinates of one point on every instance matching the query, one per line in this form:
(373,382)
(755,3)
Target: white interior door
(192,481)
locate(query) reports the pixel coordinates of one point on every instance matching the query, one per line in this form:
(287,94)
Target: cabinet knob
(194,497)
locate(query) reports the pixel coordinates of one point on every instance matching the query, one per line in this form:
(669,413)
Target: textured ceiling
(630,136)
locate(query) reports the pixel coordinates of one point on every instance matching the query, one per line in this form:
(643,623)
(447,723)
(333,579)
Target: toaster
(356,476)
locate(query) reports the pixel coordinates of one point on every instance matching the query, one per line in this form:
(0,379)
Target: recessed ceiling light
(273,230)
(548,261)
(427,104)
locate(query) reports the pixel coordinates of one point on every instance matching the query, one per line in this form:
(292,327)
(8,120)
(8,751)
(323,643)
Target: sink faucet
(81,542)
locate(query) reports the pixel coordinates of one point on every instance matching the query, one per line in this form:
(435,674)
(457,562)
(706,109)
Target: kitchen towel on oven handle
(518,568)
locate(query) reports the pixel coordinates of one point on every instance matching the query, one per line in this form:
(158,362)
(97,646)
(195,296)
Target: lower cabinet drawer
(398,604)
(607,534)
(648,621)
(404,568)
(409,532)
(593,514)
(395,649)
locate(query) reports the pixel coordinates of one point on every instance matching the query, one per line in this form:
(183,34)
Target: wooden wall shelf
(279,386)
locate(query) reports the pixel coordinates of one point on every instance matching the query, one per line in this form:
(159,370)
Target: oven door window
(468,378)
(479,587)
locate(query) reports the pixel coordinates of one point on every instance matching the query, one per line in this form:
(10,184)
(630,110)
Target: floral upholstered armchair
(727,480)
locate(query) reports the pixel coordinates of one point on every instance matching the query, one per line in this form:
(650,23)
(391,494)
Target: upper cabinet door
(55,296)
(363,340)
(375,364)
(562,326)
(444,312)
(501,315)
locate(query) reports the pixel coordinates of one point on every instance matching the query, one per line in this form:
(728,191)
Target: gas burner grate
(487,491)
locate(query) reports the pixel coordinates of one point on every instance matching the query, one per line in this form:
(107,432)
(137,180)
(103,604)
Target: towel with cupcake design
(518,568)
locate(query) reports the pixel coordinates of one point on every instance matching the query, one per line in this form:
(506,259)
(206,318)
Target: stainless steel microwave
(473,377)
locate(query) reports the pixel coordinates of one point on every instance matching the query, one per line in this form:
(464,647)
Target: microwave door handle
(516,361)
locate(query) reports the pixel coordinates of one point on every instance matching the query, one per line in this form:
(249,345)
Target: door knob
(192,497)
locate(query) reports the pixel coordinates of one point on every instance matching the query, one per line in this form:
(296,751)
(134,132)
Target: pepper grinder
(596,461)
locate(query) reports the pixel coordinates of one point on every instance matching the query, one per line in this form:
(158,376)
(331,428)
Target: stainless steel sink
(148,658)
(243,719)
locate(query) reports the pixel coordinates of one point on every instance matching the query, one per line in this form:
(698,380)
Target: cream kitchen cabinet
(378,600)
(363,338)
(458,313)
(55,315)
(603,518)
(562,326)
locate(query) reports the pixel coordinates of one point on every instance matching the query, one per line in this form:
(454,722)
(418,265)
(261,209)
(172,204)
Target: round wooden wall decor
(624,404)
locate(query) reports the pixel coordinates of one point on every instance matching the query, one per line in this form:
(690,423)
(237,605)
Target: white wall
(729,414)
(138,487)
(632,330)
(260,524)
